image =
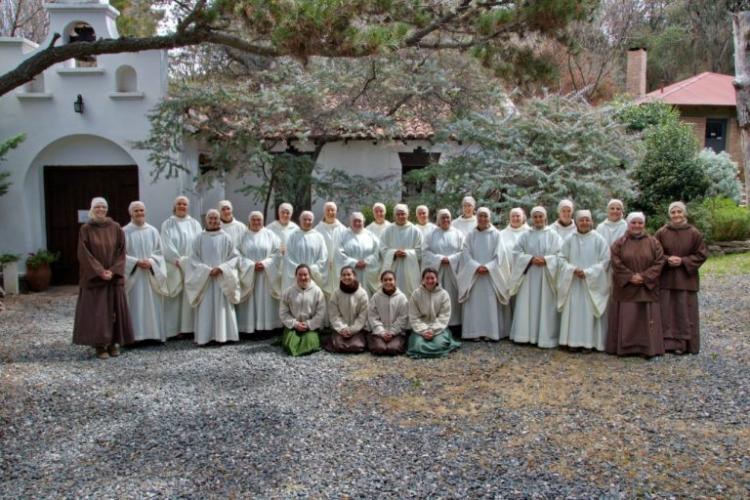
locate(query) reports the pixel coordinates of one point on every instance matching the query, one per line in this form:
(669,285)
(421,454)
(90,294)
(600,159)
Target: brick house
(707,101)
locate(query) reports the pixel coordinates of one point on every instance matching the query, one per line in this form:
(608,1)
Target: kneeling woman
(347,314)
(302,310)
(429,313)
(388,316)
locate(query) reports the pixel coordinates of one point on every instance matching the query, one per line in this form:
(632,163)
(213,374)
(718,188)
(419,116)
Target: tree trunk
(741,28)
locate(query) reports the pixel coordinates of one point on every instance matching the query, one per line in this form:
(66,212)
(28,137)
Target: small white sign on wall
(83,216)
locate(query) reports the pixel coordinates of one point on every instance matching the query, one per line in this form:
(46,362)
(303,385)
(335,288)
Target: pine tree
(554,147)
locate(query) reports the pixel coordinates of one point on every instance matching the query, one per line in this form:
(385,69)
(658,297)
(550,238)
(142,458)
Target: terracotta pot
(39,278)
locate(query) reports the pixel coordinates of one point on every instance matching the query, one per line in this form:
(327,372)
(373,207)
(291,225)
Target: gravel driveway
(492,420)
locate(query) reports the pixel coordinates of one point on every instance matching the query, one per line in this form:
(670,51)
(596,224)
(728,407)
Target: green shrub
(722,175)
(720,219)
(639,117)
(657,219)
(36,260)
(670,170)
(729,222)
(5,147)
(8,258)
(699,216)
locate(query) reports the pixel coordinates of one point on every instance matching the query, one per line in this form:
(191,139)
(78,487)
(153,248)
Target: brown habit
(679,287)
(102,316)
(354,344)
(634,314)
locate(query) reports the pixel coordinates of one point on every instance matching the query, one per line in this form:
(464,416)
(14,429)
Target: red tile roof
(705,89)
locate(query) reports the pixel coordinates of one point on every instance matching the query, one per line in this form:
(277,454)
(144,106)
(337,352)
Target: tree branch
(192,16)
(373,76)
(46,58)
(418,35)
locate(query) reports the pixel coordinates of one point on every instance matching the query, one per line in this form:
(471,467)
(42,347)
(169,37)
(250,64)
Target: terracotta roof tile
(705,89)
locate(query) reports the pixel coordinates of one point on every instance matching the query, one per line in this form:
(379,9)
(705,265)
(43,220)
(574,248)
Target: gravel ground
(492,420)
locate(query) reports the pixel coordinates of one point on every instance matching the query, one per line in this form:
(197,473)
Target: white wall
(55,135)
(378,160)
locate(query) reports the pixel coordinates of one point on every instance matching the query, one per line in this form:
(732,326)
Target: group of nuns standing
(391,287)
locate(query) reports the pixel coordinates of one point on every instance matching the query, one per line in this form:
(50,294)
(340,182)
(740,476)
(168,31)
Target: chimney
(635,81)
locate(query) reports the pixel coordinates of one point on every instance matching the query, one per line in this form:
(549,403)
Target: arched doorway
(73,170)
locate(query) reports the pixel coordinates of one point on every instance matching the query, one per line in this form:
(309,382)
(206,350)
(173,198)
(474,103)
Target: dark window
(292,179)
(410,162)
(83,32)
(716,134)
(205,165)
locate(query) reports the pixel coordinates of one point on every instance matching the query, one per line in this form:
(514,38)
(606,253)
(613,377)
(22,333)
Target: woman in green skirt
(302,310)
(429,313)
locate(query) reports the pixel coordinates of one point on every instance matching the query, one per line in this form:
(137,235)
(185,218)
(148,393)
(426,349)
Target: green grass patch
(725,265)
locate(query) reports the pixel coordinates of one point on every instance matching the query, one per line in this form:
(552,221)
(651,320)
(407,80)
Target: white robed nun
(375,227)
(283,227)
(259,277)
(234,228)
(213,294)
(423,222)
(484,282)
(331,229)
(582,301)
(564,231)
(511,234)
(145,276)
(359,246)
(442,251)
(468,220)
(403,236)
(612,230)
(305,246)
(177,235)
(535,317)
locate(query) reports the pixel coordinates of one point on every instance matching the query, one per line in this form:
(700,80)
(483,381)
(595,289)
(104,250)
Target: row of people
(559,287)
(381,323)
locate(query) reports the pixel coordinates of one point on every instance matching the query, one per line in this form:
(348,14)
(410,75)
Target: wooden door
(67,193)
(410,162)
(716,134)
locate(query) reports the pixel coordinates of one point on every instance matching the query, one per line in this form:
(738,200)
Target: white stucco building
(81,119)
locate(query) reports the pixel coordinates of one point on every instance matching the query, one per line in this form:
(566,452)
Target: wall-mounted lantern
(78,104)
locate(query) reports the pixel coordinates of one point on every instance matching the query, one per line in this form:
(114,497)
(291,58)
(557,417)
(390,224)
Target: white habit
(331,234)
(612,231)
(213,297)
(465,225)
(440,244)
(259,291)
(485,298)
(409,239)
(510,235)
(177,236)
(583,302)
(535,317)
(281,231)
(426,229)
(235,229)
(354,247)
(145,286)
(564,231)
(305,247)
(378,229)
